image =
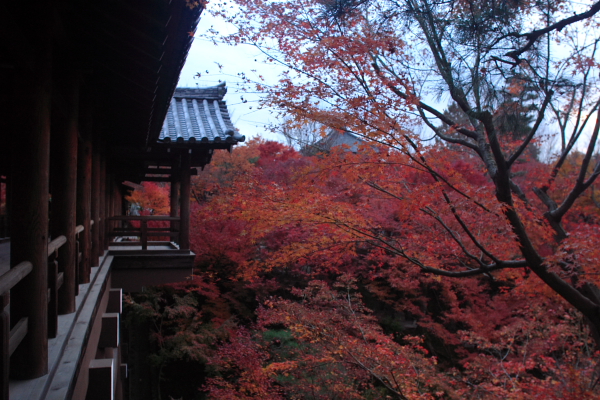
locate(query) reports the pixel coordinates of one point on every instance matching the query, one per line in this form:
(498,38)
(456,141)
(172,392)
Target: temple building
(87,104)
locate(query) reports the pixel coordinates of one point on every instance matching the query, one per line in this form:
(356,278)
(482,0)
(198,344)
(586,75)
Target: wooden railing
(78,256)
(55,281)
(11,338)
(144,232)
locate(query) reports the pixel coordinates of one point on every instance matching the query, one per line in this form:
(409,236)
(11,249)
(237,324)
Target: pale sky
(205,56)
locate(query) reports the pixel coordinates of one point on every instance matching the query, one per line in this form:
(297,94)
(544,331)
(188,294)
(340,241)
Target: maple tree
(315,292)
(150,199)
(502,334)
(373,66)
(461,269)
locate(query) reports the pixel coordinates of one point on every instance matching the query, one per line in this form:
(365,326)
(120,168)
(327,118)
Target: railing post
(184,225)
(174,202)
(144,234)
(4,349)
(52,303)
(78,258)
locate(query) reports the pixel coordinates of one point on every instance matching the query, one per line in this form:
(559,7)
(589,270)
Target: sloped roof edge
(199,115)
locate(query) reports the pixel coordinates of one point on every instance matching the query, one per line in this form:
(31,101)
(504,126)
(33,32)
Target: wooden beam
(109,335)
(101,382)
(143,218)
(156,179)
(115,301)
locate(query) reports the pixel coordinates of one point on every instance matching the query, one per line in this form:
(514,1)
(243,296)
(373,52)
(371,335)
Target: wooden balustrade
(55,280)
(144,232)
(78,257)
(11,338)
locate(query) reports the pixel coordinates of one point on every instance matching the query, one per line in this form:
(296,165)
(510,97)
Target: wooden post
(84,194)
(174,200)
(78,263)
(110,203)
(4,352)
(8,205)
(144,234)
(52,301)
(103,199)
(3,221)
(184,226)
(95,256)
(63,184)
(29,213)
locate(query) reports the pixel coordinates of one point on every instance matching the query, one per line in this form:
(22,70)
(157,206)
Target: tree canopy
(460,267)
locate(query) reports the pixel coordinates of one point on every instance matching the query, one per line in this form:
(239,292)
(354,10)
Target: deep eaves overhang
(127,54)
(135,50)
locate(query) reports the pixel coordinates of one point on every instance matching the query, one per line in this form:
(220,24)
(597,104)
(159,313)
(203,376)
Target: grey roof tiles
(199,115)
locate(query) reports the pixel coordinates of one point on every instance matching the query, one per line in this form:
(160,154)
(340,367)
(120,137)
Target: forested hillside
(344,275)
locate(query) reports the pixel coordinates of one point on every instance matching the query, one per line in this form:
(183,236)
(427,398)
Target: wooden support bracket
(109,335)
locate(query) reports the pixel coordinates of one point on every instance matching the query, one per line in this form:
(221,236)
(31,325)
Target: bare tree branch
(533,36)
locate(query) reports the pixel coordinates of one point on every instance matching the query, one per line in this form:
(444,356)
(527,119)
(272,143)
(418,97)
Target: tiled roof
(338,138)
(199,115)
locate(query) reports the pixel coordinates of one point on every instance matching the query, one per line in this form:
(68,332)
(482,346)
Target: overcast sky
(204,58)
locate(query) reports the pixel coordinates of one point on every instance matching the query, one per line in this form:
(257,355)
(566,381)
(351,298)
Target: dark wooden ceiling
(127,53)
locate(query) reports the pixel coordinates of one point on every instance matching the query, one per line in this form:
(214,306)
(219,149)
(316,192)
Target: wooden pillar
(4,346)
(29,213)
(95,256)
(102,198)
(174,196)
(174,200)
(7,189)
(109,211)
(63,184)
(84,195)
(184,238)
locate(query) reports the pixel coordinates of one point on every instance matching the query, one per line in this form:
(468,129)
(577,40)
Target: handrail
(14,276)
(144,231)
(55,244)
(143,218)
(17,334)
(79,229)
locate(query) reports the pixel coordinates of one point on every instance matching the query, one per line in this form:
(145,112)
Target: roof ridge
(216,92)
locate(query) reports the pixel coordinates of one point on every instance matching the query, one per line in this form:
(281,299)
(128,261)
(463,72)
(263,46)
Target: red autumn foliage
(335,258)
(322,270)
(462,265)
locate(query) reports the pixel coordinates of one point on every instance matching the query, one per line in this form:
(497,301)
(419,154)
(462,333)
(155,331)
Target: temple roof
(199,115)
